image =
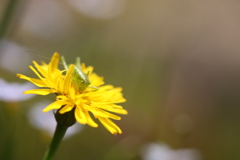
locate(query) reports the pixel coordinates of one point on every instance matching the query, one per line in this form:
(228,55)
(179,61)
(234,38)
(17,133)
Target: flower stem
(7,16)
(57,138)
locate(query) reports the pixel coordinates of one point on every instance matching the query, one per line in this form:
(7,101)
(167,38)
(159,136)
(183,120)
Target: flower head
(100,101)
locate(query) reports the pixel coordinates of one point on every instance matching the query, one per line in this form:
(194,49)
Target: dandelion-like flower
(98,99)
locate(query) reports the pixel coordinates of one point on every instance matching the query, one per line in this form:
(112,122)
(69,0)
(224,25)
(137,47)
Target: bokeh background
(177,61)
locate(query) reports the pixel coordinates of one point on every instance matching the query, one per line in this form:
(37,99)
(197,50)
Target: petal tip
(26,92)
(56,55)
(44,110)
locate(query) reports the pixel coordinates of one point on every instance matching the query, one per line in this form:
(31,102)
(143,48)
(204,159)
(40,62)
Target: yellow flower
(101,103)
(50,77)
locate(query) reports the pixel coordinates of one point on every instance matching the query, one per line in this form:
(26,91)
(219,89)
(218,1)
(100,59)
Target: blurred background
(177,62)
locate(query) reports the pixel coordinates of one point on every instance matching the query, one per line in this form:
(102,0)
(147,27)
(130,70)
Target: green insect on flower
(75,94)
(79,78)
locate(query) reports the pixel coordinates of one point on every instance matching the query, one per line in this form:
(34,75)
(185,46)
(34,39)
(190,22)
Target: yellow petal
(116,90)
(96,80)
(120,100)
(110,115)
(34,70)
(62,97)
(110,107)
(80,116)
(72,92)
(40,69)
(50,74)
(106,87)
(89,120)
(66,108)
(39,91)
(86,69)
(54,62)
(68,78)
(116,106)
(54,105)
(110,126)
(119,111)
(101,113)
(37,82)
(58,81)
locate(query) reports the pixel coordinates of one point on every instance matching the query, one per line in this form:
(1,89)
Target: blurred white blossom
(13,56)
(46,121)
(155,151)
(13,92)
(103,9)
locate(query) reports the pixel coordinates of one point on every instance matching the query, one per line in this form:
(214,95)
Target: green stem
(57,138)
(7,16)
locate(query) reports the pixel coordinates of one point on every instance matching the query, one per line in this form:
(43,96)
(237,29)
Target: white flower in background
(155,151)
(13,92)
(13,56)
(46,121)
(47,19)
(103,9)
